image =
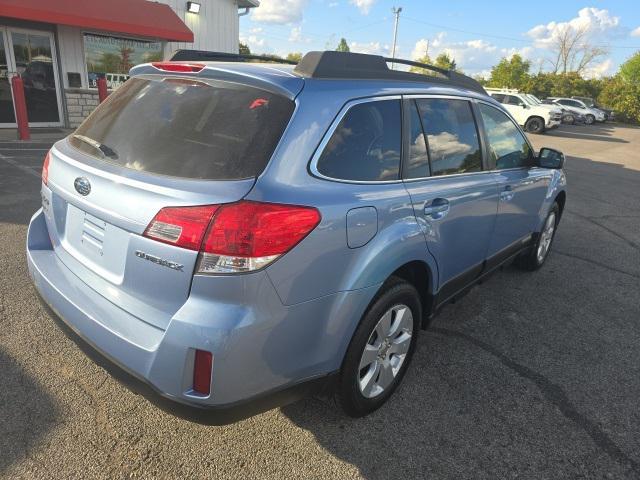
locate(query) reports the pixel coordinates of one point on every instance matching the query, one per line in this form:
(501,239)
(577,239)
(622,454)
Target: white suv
(533,117)
(591,114)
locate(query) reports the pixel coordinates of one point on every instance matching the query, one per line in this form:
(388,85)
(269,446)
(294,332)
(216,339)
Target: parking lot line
(24,168)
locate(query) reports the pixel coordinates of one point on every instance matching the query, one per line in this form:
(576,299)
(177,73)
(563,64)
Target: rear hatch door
(157,142)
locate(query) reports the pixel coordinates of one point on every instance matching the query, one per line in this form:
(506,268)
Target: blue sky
(476,33)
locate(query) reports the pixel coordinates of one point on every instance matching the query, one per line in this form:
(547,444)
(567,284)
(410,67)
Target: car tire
(537,255)
(381,349)
(590,119)
(534,125)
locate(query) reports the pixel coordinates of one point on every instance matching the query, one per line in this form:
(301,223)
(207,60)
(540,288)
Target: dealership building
(61,47)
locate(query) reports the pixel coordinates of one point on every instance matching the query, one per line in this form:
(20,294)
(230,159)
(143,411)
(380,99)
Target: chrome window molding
(313,164)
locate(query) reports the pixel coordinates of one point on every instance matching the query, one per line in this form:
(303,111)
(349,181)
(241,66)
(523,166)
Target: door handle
(437,209)
(507,194)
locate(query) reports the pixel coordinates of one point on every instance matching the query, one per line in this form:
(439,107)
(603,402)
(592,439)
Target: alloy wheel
(545,237)
(385,351)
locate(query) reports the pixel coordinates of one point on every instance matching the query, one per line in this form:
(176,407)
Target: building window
(112,57)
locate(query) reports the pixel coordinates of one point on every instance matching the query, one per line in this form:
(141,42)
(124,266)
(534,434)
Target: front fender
(557,184)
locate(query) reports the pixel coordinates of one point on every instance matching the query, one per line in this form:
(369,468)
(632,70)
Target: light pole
(396,12)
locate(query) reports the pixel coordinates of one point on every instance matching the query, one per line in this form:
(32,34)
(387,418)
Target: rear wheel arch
(418,274)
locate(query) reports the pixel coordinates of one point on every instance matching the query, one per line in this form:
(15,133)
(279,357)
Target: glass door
(7,114)
(32,55)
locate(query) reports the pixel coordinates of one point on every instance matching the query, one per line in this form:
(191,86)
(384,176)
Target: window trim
(313,164)
(492,167)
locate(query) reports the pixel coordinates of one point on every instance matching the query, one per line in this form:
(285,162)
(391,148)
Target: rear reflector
(45,168)
(202,372)
(179,67)
(181,226)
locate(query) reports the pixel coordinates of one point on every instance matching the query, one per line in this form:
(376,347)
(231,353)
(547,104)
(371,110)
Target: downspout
(246,12)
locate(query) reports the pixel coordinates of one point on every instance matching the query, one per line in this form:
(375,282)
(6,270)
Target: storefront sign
(113,57)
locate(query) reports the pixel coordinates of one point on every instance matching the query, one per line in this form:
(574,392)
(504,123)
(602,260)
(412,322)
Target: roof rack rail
(206,56)
(331,64)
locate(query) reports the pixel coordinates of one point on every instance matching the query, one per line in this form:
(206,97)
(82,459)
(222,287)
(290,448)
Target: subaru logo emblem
(82,185)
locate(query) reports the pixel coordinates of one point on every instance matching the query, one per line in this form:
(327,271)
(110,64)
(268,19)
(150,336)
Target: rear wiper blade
(104,150)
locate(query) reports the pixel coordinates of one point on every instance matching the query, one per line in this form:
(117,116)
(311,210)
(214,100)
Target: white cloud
(472,56)
(279,12)
(296,36)
(373,48)
(253,42)
(427,44)
(599,70)
(363,5)
(598,23)
(636,32)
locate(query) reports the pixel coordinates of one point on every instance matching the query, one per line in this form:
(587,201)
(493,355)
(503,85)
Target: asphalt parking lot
(531,375)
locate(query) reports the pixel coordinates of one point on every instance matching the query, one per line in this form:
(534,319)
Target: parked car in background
(590,102)
(535,118)
(293,229)
(568,117)
(591,115)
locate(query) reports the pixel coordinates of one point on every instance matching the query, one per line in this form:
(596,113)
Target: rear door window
(452,136)
(366,144)
(188,128)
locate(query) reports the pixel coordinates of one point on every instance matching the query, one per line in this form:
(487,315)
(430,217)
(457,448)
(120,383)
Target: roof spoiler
(206,56)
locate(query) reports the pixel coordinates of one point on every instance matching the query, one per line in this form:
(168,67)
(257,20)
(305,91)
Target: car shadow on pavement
(27,413)
(600,133)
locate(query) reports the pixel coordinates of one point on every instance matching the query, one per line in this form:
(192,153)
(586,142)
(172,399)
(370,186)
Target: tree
(623,97)
(444,61)
(244,49)
(513,73)
(425,59)
(294,56)
(343,46)
(630,70)
(572,51)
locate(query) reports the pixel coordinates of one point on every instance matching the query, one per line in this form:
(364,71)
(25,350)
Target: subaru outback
(226,237)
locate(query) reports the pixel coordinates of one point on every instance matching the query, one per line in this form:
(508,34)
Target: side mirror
(523,105)
(550,158)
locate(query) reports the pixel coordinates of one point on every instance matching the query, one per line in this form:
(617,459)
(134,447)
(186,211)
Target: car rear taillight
(202,365)
(179,67)
(240,237)
(247,235)
(45,168)
(181,226)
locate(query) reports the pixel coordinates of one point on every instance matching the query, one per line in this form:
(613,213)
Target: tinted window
(508,147)
(418,166)
(498,96)
(570,103)
(186,128)
(452,136)
(366,144)
(511,100)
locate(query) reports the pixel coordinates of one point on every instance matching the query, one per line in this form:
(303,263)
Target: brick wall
(80,103)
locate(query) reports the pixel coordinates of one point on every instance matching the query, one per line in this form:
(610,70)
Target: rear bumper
(265,354)
(202,414)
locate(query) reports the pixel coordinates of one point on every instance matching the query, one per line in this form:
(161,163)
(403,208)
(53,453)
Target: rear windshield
(186,128)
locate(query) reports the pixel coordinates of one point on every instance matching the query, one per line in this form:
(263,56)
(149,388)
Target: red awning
(133,17)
